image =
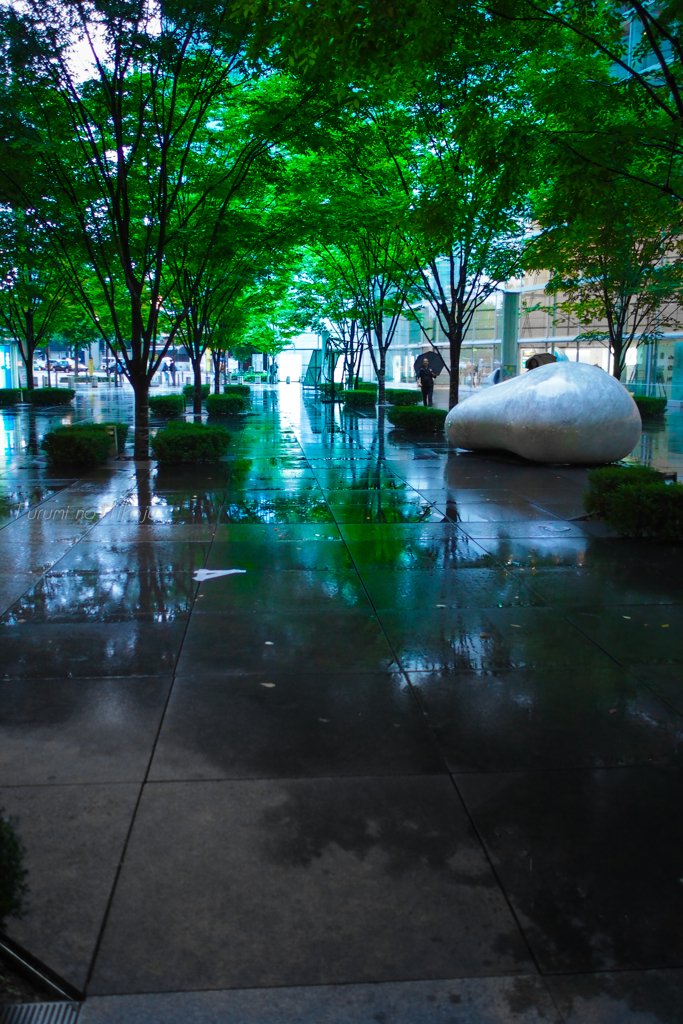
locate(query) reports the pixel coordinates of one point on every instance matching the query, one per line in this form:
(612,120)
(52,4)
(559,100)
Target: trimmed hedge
(605,481)
(9,396)
(399,396)
(190,442)
(225,405)
(650,406)
(188,391)
(417,419)
(237,389)
(366,385)
(647,510)
(84,444)
(359,397)
(167,405)
(50,396)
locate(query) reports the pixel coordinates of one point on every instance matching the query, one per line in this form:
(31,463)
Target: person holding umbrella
(426,377)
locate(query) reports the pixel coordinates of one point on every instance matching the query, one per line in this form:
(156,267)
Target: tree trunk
(455,344)
(47,364)
(618,357)
(141,390)
(381,374)
(30,349)
(197,368)
(216,356)
(28,363)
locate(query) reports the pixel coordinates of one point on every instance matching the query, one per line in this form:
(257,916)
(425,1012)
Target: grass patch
(167,405)
(190,442)
(419,419)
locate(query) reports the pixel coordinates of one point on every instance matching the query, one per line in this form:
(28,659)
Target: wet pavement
(420,762)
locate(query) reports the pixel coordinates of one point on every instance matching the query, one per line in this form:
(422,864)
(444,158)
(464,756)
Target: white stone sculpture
(562,412)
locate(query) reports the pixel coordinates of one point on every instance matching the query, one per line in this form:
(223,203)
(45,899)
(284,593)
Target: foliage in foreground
(12,872)
(225,405)
(636,502)
(167,405)
(190,442)
(50,396)
(418,419)
(9,396)
(85,444)
(399,396)
(647,510)
(358,397)
(650,406)
(605,481)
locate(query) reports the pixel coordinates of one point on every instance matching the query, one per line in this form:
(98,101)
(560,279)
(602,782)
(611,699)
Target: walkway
(428,739)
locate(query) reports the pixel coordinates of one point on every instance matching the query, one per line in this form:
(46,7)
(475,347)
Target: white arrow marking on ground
(212,574)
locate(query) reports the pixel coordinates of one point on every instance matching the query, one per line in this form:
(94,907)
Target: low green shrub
(417,419)
(237,389)
(121,432)
(9,396)
(84,444)
(359,397)
(650,406)
(13,874)
(366,385)
(225,405)
(167,405)
(188,391)
(608,479)
(653,510)
(190,442)
(50,396)
(327,389)
(400,396)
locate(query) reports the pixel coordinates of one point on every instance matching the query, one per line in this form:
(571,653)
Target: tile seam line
(141,789)
(456,788)
(325,985)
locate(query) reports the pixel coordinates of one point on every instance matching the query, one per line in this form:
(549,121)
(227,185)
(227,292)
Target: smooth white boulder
(562,412)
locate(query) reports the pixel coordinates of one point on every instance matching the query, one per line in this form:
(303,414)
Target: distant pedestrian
(171,370)
(426,378)
(166,371)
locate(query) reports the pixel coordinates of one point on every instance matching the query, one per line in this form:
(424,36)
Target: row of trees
(227,172)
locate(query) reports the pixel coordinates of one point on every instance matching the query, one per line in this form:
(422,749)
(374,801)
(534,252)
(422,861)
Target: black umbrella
(436,363)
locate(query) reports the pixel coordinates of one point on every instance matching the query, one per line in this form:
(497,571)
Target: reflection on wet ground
(433,731)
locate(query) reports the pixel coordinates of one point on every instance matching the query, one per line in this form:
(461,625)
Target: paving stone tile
(58,731)
(547,718)
(73,837)
(517,1000)
(488,639)
(628,997)
(384,878)
(238,643)
(287,725)
(590,861)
